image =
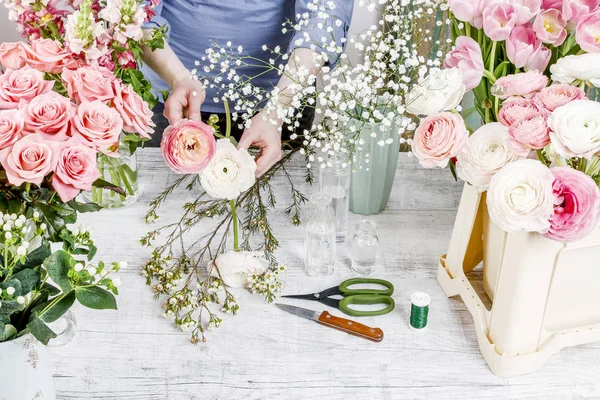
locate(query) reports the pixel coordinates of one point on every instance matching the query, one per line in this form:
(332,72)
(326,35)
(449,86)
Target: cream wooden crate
(545,294)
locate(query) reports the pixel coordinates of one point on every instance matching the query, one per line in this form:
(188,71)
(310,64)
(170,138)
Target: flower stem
(235,225)
(227,119)
(493,57)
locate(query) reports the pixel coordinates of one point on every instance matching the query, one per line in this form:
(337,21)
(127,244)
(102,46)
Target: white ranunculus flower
(234,267)
(584,67)
(520,197)
(488,152)
(442,90)
(229,173)
(575,129)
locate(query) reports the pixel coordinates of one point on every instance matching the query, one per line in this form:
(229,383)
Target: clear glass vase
(335,181)
(364,248)
(319,244)
(121,171)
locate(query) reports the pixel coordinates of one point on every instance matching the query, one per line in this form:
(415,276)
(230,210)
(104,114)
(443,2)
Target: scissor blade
(301,312)
(310,296)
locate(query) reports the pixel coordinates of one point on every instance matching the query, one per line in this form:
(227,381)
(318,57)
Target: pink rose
(576,205)
(89,84)
(137,116)
(588,33)
(23,84)
(439,138)
(549,27)
(526,10)
(554,96)
(45,55)
(514,109)
(49,115)
(525,84)
(10,55)
(467,57)
(188,146)
(574,10)
(531,131)
(30,159)
(98,125)
(522,45)
(11,127)
(75,170)
(499,21)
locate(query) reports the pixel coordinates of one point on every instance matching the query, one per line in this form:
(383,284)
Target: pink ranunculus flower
(588,32)
(439,138)
(11,127)
(574,10)
(521,45)
(526,10)
(514,109)
(22,84)
(30,159)
(525,84)
(576,205)
(554,96)
(49,115)
(531,131)
(549,26)
(467,57)
(11,55)
(188,146)
(89,84)
(45,55)
(137,116)
(499,21)
(75,170)
(98,126)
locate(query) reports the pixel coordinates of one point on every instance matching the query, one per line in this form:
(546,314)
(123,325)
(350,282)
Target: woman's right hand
(185,100)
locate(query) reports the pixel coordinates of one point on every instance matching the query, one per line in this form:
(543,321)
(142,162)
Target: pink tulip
(525,84)
(574,10)
(499,21)
(467,57)
(588,33)
(526,10)
(439,138)
(548,4)
(549,27)
(521,45)
(469,11)
(539,60)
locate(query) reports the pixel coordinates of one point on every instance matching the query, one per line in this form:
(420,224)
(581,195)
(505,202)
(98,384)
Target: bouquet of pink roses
(531,65)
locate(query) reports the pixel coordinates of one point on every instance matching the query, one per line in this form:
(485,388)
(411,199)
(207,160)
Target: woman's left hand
(265,135)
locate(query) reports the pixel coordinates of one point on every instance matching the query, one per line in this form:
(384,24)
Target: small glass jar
(319,244)
(335,181)
(365,245)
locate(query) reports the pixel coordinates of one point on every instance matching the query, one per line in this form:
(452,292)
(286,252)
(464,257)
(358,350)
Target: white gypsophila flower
(229,173)
(92,270)
(583,67)
(442,90)
(78,267)
(233,268)
(488,152)
(10,290)
(21,300)
(21,251)
(520,197)
(116,282)
(575,129)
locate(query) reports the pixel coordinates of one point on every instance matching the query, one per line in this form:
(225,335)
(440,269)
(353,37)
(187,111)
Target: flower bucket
(544,293)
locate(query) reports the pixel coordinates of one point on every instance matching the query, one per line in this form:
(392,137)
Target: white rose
(442,90)
(584,67)
(488,152)
(229,173)
(575,129)
(520,197)
(234,267)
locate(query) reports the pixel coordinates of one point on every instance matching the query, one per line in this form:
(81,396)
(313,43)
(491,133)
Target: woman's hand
(185,100)
(265,135)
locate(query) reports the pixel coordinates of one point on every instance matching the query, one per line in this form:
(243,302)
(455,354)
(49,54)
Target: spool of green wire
(419,310)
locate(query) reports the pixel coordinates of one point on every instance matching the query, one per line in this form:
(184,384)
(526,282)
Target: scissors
(355,296)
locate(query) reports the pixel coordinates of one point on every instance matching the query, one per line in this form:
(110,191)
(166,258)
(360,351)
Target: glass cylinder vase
(319,244)
(334,180)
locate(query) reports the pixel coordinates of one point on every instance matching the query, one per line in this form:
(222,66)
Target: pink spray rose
(525,84)
(45,55)
(30,159)
(549,26)
(98,125)
(467,57)
(23,84)
(10,55)
(588,33)
(576,205)
(188,146)
(554,96)
(514,109)
(574,10)
(137,116)
(531,131)
(49,115)
(75,170)
(499,21)
(525,50)
(89,84)
(11,127)
(439,138)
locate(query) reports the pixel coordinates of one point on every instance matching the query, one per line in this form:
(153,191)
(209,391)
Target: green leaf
(52,290)
(101,183)
(29,279)
(10,307)
(58,265)
(40,330)
(35,258)
(92,252)
(84,207)
(96,298)
(452,166)
(7,332)
(59,308)
(14,283)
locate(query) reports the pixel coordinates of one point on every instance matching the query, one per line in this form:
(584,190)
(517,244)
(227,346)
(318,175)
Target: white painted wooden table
(265,353)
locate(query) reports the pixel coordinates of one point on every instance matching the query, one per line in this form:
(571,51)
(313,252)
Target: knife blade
(331,321)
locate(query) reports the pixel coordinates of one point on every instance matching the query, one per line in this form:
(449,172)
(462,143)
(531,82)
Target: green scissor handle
(366,299)
(345,287)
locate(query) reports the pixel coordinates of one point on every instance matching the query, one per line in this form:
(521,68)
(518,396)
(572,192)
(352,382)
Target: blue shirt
(195,24)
